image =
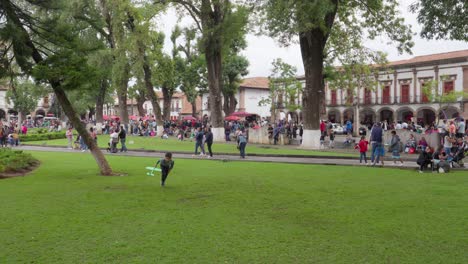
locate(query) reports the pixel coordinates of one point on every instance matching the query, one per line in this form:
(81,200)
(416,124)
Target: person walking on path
(375,139)
(242,143)
(69,135)
(363,145)
(199,142)
(395,148)
(209,140)
(166,164)
(123,137)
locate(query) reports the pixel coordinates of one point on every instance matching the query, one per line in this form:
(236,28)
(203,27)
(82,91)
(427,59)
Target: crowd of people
(450,153)
(9,133)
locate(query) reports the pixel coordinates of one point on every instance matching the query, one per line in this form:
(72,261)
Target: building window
(424,93)
(386,94)
(404,94)
(448,87)
(333,97)
(367,96)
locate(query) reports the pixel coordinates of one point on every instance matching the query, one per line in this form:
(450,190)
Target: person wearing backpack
(396,148)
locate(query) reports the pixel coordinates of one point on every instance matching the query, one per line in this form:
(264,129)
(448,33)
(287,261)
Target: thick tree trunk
(214,66)
(122,94)
(194,109)
(140,102)
(100,101)
(167,97)
(67,107)
(230,103)
(312,45)
(81,128)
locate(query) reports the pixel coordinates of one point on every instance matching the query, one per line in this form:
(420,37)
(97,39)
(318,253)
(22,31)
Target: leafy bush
(42,136)
(15,160)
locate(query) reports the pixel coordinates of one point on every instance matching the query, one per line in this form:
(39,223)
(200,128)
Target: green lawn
(231,212)
(155,143)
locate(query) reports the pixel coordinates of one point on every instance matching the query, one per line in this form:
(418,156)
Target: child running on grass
(166,165)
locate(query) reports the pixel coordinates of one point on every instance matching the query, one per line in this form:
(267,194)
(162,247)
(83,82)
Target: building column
(341,97)
(415,85)
(341,116)
(436,70)
(395,74)
(241,99)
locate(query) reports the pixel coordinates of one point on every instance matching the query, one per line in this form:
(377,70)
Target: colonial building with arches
(400,93)
(7,110)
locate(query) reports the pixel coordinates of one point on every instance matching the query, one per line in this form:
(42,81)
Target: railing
(419,99)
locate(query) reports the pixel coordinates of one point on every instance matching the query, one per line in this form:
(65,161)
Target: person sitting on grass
(166,164)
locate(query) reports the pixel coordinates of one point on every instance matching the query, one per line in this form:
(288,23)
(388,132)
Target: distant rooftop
(256,82)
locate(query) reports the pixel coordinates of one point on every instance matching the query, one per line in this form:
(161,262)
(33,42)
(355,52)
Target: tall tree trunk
(194,108)
(214,66)
(230,103)
(141,98)
(312,45)
(122,94)
(67,107)
(100,101)
(167,97)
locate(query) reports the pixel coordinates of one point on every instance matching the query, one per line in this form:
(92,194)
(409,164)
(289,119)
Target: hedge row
(15,160)
(40,137)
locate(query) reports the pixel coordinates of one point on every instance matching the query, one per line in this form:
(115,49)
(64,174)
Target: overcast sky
(262,50)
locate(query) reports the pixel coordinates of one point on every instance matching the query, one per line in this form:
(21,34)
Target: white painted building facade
(399,95)
(250,93)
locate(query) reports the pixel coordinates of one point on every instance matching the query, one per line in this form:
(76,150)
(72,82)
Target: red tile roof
(256,82)
(432,57)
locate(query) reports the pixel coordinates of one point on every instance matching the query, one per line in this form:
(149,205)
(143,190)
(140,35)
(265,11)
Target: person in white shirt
(114,140)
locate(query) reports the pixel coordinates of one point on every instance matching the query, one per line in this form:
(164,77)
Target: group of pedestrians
(395,147)
(204,136)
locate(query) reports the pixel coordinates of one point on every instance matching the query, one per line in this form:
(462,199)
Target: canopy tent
(241,114)
(232,118)
(189,118)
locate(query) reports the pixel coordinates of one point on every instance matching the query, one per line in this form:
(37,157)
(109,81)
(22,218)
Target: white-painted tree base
(311,139)
(159,130)
(218,134)
(99,128)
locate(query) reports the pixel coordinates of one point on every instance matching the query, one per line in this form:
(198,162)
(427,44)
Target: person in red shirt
(322,127)
(363,146)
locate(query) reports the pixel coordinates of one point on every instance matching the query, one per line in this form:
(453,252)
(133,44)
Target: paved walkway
(226,157)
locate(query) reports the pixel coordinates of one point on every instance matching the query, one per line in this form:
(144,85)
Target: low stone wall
(432,139)
(260,136)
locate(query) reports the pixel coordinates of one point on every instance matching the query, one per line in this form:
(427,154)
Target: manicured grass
(231,212)
(156,143)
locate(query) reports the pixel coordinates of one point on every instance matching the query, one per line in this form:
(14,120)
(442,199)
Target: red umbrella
(232,118)
(134,117)
(105,117)
(115,117)
(191,118)
(241,114)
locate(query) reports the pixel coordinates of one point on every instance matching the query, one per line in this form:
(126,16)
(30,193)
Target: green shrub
(43,136)
(15,160)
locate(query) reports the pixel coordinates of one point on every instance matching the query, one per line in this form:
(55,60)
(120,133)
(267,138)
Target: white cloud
(262,50)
